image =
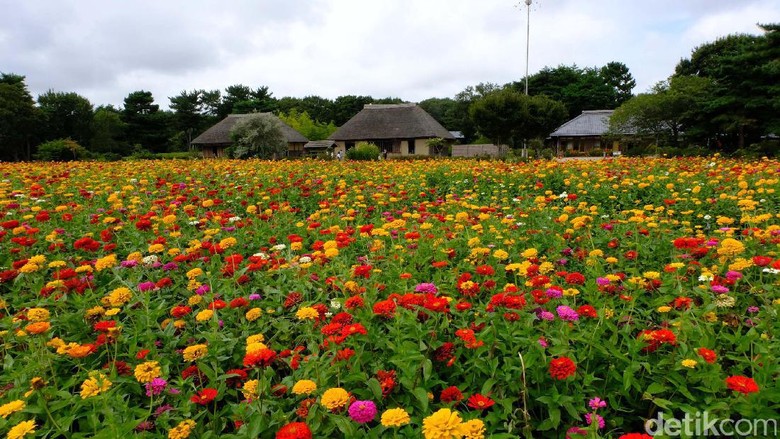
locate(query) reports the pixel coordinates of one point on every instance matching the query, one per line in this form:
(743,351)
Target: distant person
(338,155)
(384,154)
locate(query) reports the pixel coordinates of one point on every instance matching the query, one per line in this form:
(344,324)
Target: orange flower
(37,327)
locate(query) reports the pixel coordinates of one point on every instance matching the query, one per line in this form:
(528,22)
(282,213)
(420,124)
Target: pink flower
(566,313)
(589,418)
(597,403)
(362,411)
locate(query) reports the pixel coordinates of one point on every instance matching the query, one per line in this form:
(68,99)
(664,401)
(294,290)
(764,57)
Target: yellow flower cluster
(304,387)
(146,372)
(94,385)
(334,398)
(195,352)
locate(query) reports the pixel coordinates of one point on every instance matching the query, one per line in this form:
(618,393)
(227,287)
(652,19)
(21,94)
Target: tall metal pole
(527,40)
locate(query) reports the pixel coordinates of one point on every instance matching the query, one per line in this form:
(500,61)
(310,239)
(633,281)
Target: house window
(410,142)
(348,145)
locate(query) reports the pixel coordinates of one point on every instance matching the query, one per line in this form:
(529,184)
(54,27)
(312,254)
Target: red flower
(363,271)
(104,326)
(205,396)
(237,380)
(587,311)
(486,270)
(355,328)
(180,311)
(344,354)
(238,302)
(386,381)
(354,302)
(575,279)
(451,394)
(385,308)
(762,261)
(294,430)
(480,402)
(142,354)
(260,358)
(708,355)
(562,368)
(741,384)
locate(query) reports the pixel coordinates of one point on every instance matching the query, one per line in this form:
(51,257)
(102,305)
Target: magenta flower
(554,293)
(602,281)
(542,342)
(719,289)
(426,288)
(566,313)
(362,411)
(546,315)
(589,418)
(597,403)
(733,275)
(146,286)
(155,387)
(202,290)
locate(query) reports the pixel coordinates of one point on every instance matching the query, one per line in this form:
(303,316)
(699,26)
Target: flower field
(437,299)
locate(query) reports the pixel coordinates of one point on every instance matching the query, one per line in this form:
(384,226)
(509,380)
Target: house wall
(210,152)
(585,144)
(420,147)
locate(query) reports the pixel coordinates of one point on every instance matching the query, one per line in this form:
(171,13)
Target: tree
(19,118)
(258,135)
(240,99)
(107,131)
(509,116)
(744,71)
(669,110)
(60,150)
(66,115)
(146,124)
(616,75)
(464,100)
(311,129)
(344,107)
(444,110)
(188,117)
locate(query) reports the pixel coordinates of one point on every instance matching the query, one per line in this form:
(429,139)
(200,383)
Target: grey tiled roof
(219,134)
(319,144)
(589,123)
(391,121)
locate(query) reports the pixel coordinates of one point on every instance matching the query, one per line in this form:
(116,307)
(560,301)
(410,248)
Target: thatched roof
(391,121)
(219,134)
(589,123)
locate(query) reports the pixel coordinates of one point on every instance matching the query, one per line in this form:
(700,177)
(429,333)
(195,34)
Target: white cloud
(401,48)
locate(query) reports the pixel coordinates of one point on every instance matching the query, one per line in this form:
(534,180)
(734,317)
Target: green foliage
(66,115)
(304,124)
(107,131)
(19,117)
(439,147)
(259,135)
(364,151)
(146,124)
(240,99)
(445,111)
(61,150)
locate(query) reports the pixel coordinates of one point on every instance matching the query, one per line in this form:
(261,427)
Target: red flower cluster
(657,338)
(562,368)
(742,384)
(205,396)
(467,335)
(480,402)
(260,358)
(294,430)
(708,355)
(451,394)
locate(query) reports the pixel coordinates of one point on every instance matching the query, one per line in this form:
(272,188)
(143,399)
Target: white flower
(150,260)
(234,219)
(335,304)
(194,223)
(261,255)
(705,278)
(707,217)
(304,260)
(771,270)
(279,247)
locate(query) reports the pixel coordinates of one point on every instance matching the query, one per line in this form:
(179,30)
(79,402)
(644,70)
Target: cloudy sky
(412,49)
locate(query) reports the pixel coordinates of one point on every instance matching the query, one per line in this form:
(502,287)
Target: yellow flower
(94,385)
(11,407)
(204,315)
(334,398)
(105,262)
(195,352)
(29,268)
(689,363)
(38,314)
(195,272)
(651,275)
(254,347)
(146,372)
(119,296)
(183,430)
(304,387)
(730,247)
(256,338)
(253,314)
(307,313)
(500,255)
(250,389)
(395,417)
(444,424)
(37,327)
(21,430)
(37,260)
(664,308)
(529,253)
(473,429)
(194,300)
(156,248)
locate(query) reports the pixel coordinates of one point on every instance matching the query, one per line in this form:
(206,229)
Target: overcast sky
(412,49)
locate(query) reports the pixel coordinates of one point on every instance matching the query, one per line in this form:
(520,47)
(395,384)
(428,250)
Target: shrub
(61,150)
(364,151)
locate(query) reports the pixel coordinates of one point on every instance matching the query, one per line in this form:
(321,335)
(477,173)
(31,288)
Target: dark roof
(219,134)
(319,144)
(589,123)
(391,121)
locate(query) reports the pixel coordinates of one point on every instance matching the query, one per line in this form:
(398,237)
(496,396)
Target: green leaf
(375,387)
(422,398)
(655,388)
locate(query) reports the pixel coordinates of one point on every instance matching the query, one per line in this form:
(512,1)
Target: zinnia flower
(742,384)
(182,431)
(362,411)
(397,417)
(195,352)
(205,396)
(11,408)
(473,429)
(21,430)
(94,385)
(146,372)
(480,402)
(294,430)
(304,387)
(307,313)
(562,368)
(334,398)
(444,424)
(155,387)
(708,355)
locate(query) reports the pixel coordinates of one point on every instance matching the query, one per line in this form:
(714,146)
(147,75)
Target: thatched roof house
(584,133)
(399,129)
(214,140)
